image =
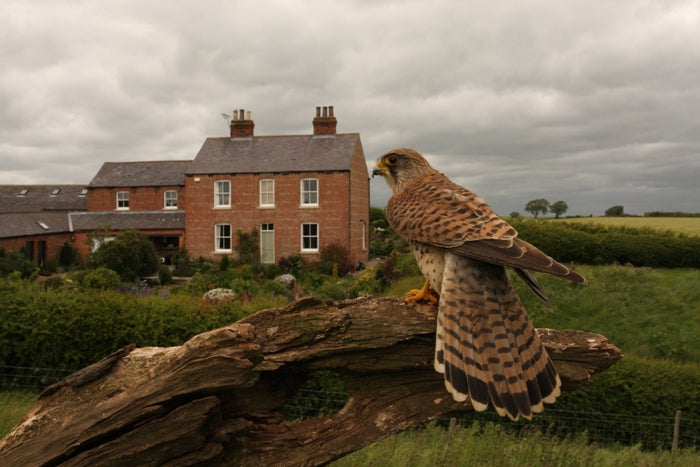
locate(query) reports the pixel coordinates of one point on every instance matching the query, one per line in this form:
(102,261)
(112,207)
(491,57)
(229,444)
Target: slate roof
(264,154)
(42,198)
(21,224)
(133,174)
(138,220)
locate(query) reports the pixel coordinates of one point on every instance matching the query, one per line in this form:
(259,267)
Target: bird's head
(400,166)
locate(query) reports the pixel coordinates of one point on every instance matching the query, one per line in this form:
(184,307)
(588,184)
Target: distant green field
(686,225)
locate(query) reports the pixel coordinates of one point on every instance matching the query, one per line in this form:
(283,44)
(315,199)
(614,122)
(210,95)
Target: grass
(13,406)
(685,225)
(491,445)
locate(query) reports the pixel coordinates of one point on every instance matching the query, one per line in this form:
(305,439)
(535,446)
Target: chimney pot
(324,122)
(242,125)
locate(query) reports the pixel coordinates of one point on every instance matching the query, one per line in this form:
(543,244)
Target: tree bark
(219,398)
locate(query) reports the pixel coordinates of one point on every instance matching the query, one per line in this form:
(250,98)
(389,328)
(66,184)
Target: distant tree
(515,215)
(615,211)
(559,208)
(537,206)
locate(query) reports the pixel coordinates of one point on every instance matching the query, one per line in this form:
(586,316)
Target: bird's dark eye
(392,159)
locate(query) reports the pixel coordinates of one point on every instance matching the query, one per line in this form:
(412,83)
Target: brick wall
(359,206)
(140,198)
(54,243)
(332,214)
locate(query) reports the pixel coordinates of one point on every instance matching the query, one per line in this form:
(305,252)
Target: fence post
(676,432)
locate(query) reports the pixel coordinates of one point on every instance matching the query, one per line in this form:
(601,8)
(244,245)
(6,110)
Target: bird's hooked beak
(379,169)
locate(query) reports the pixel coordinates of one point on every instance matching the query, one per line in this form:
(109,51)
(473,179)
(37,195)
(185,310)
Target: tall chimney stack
(324,122)
(241,124)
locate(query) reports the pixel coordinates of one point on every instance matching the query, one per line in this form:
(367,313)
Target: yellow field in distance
(686,225)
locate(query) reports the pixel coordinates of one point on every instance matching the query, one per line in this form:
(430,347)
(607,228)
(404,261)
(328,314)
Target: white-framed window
(267,243)
(222,193)
(267,192)
(222,237)
(309,236)
(309,191)
(170,199)
(122,200)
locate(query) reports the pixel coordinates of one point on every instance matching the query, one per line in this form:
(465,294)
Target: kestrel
(485,344)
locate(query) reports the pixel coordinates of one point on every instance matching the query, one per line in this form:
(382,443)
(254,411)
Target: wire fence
(30,378)
(651,432)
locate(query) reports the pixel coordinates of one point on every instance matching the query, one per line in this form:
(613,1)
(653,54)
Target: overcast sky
(596,103)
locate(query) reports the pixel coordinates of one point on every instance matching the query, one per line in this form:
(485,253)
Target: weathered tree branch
(219,397)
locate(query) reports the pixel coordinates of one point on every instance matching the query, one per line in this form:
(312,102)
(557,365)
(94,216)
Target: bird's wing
(434,210)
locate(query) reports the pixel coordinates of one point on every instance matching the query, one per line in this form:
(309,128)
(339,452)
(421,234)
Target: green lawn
(13,406)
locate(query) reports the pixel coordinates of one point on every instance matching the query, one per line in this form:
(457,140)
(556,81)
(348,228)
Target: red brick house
(144,196)
(300,192)
(36,218)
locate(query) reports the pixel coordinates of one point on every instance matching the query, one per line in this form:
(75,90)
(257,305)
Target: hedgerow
(597,244)
(71,328)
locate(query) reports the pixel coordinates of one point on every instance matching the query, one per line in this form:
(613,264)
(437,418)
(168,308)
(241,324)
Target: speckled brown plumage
(485,343)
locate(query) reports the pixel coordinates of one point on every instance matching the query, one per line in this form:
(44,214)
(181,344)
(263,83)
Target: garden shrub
(14,261)
(100,279)
(131,254)
(165,275)
(338,254)
(67,256)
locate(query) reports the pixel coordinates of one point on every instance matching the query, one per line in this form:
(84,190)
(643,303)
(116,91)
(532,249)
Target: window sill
(309,206)
(271,206)
(222,208)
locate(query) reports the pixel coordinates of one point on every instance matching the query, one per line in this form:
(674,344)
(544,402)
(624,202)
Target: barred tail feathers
(486,346)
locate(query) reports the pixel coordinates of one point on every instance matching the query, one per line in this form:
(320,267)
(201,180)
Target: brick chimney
(241,124)
(324,123)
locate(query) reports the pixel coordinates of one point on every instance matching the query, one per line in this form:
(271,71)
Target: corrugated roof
(261,154)
(33,198)
(139,220)
(131,174)
(14,224)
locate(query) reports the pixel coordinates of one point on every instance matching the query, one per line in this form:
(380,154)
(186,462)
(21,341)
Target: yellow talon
(426,293)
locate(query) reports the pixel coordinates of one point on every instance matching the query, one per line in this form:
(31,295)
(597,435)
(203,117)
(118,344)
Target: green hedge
(70,329)
(595,244)
(641,388)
